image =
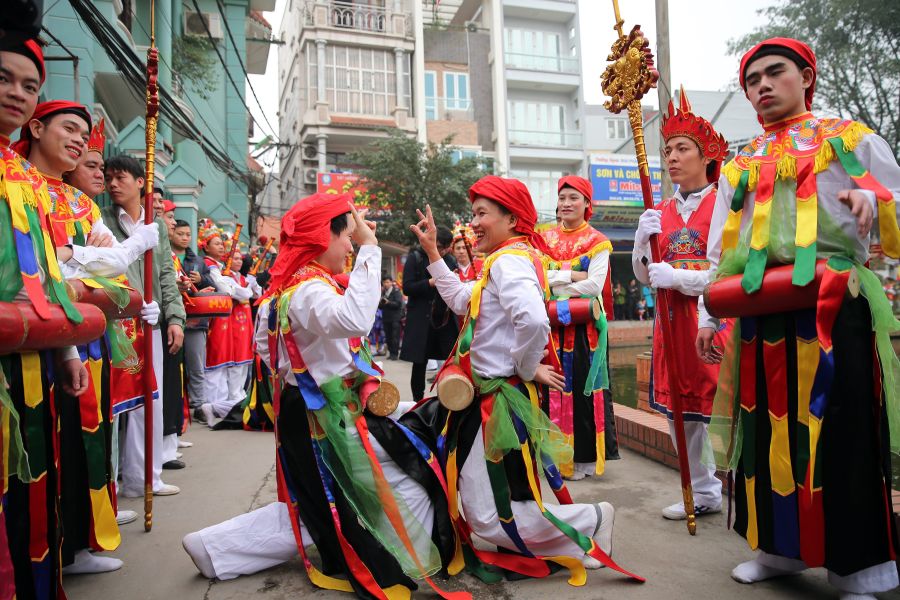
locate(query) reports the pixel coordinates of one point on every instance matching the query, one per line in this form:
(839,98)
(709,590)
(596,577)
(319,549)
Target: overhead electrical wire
(133,70)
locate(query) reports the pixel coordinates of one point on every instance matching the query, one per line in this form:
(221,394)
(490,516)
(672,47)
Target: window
(461,153)
(456,90)
(430,95)
(542,187)
(616,129)
(359,80)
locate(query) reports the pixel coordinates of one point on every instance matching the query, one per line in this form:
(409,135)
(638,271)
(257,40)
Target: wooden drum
(454,388)
(22,330)
(99,298)
(726,298)
(208,304)
(573,311)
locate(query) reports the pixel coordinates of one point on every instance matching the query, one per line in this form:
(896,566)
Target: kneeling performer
(362,488)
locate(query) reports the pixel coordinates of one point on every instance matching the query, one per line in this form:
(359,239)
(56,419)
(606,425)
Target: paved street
(230,472)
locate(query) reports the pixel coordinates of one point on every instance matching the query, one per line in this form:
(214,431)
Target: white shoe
(753,571)
(193,545)
(575,476)
(676,511)
(184,444)
(123,517)
(209,413)
(87,563)
(166,490)
(603,535)
(178,455)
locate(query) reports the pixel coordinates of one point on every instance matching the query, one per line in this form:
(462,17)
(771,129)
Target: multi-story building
(199,186)
(533,60)
(344,75)
(502,77)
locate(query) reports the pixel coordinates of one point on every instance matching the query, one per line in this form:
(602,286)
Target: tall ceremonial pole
(149,373)
(630,75)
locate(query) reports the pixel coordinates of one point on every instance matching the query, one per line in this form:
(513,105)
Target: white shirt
(689,283)
(512,328)
(872,152)
(561,283)
(88,261)
(322,320)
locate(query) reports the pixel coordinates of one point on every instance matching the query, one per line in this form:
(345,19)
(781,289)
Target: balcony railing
(354,16)
(545,139)
(540,62)
(449,109)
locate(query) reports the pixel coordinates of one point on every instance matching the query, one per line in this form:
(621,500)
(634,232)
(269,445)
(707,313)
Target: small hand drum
(384,400)
(454,388)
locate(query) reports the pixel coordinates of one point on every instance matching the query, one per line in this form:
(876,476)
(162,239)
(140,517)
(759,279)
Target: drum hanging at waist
(573,311)
(777,294)
(22,330)
(208,304)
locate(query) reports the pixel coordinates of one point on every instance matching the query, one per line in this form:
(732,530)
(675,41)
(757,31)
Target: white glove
(241,293)
(147,236)
(648,224)
(150,313)
(662,275)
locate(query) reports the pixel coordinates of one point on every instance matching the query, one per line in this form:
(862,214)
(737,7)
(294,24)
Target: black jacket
(431,328)
(391,305)
(192,262)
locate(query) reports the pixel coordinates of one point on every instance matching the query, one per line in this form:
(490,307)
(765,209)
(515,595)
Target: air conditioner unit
(311,175)
(310,152)
(198,23)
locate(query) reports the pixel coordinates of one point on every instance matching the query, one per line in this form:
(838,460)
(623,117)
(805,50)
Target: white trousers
(707,488)
(133,448)
(217,390)
(877,578)
(539,534)
(170,447)
(253,541)
(237,378)
(263,538)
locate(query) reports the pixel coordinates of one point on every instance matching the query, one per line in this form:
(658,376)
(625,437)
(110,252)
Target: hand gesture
(364,232)
(426,231)
(195,277)
(706,350)
(860,207)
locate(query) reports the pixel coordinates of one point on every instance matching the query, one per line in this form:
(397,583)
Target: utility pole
(664,85)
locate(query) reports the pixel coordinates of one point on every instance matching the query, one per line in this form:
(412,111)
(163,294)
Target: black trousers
(392,336)
(417,380)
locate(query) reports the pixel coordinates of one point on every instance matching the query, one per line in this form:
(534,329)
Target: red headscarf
(513,195)
(48,109)
(305,234)
(29,49)
(583,187)
(787,47)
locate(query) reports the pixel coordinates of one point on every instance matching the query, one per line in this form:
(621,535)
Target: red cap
(583,187)
(48,109)
(789,47)
(168,206)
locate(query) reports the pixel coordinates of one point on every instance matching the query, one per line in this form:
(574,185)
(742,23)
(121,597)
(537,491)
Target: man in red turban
(578,267)
(501,351)
(335,456)
(802,198)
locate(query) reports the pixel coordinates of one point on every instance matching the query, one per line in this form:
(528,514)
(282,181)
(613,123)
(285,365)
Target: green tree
(857,46)
(403,174)
(194,64)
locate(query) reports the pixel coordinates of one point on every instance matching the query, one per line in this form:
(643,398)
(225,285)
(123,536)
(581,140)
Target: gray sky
(698,33)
